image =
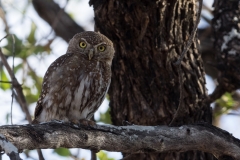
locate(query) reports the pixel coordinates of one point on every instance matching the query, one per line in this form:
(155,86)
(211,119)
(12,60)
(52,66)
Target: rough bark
(61,23)
(129,139)
(149,37)
(226,42)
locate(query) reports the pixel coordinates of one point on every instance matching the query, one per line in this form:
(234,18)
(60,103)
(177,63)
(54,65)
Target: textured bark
(61,23)
(129,139)
(227,38)
(149,37)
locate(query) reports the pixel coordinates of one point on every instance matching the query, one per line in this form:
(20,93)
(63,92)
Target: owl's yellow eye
(82,44)
(101,48)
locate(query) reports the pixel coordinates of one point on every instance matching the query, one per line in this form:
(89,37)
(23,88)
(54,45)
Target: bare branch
(17,87)
(127,139)
(61,22)
(9,148)
(3,17)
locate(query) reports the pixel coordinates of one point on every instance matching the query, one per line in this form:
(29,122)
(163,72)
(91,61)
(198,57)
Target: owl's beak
(90,54)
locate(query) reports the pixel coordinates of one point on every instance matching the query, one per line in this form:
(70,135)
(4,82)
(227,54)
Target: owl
(75,84)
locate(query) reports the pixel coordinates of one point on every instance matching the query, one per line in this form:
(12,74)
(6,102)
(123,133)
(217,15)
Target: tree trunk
(149,37)
(225,25)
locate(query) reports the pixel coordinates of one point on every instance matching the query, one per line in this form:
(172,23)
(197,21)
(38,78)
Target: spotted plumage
(75,84)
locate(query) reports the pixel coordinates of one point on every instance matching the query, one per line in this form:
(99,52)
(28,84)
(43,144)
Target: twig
(40,155)
(192,36)
(5,82)
(179,70)
(217,93)
(93,155)
(13,54)
(3,17)
(3,38)
(17,87)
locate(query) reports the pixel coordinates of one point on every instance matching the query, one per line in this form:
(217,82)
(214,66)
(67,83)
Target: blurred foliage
(107,96)
(23,50)
(105,117)
(103,156)
(30,97)
(3,77)
(62,152)
(8,116)
(28,47)
(226,103)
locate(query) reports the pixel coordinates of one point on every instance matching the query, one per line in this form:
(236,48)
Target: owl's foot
(87,122)
(126,123)
(74,121)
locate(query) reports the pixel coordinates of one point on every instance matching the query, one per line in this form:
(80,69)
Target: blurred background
(36,46)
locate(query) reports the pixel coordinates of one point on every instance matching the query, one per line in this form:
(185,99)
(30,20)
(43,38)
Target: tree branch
(21,98)
(9,148)
(61,22)
(127,139)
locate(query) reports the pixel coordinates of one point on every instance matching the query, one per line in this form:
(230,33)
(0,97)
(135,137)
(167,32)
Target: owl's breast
(90,92)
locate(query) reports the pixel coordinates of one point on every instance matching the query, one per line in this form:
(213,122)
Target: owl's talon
(87,122)
(126,123)
(75,121)
(56,121)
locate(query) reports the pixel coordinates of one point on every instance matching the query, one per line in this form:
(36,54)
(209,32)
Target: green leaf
(30,97)
(6,51)
(39,49)
(103,156)
(31,37)
(37,80)
(3,77)
(107,96)
(18,46)
(105,117)
(226,102)
(17,67)
(63,152)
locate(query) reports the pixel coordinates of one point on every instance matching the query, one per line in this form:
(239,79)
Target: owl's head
(92,46)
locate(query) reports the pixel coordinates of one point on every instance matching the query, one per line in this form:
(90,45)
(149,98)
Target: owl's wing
(37,112)
(50,78)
